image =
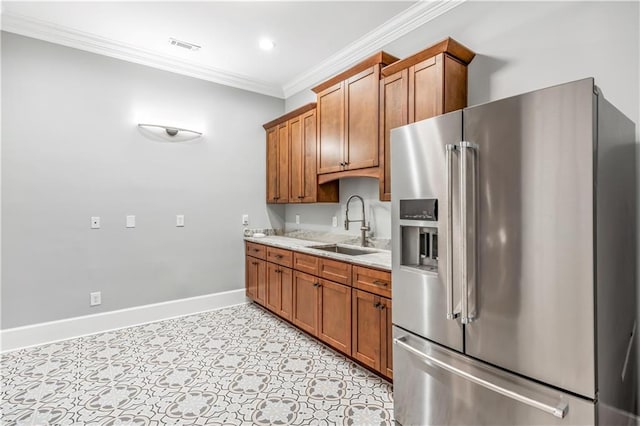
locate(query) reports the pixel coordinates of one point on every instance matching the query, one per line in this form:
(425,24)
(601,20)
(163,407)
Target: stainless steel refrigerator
(514,227)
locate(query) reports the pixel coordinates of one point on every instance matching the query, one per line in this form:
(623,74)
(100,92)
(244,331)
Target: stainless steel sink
(335,248)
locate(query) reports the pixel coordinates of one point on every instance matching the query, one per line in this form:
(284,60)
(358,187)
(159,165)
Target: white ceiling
(313,39)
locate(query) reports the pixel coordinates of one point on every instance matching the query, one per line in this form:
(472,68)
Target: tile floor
(235,366)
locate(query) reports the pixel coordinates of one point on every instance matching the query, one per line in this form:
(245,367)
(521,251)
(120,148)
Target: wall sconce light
(171,131)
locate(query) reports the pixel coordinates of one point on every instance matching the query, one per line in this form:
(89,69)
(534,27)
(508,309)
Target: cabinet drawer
(372,280)
(280,256)
(334,270)
(306,263)
(256,250)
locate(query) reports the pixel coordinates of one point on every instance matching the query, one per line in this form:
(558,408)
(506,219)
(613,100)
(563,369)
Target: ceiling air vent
(183,44)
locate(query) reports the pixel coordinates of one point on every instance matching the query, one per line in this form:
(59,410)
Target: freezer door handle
(559,410)
(467,227)
(450,148)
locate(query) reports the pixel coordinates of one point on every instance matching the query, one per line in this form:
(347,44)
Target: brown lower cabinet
(372,343)
(354,321)
(306,296)
(279,292)
(334,322)
(256,282)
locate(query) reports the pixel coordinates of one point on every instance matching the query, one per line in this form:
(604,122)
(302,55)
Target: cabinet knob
(376,305)
(382,283)
(301,196)
(342,163)
(316,285)
(254,263)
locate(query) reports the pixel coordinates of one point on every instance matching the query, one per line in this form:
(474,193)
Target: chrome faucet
(364,227)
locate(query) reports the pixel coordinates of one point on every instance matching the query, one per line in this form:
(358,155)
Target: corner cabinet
(348,116)
(346,306)
(428,83)
(291,160)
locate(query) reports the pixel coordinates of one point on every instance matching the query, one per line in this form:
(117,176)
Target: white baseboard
(37,334)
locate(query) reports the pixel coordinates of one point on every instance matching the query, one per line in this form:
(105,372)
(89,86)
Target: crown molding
(59,34)
(401,24)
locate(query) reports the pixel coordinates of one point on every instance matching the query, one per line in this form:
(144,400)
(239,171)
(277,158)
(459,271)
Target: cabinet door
(283,163)
(305,302)
(330,129)
(256,279)
(251,277)
(393,113)
(309,145)
(272,165)
(286,293)
(362,112)
(272,301)
(367,332)
(425,89)
(296,161)
(387,341)
(261,282)
(335,315)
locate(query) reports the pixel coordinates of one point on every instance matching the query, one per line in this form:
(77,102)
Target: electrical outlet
(180,220)
(95,222)
(131,221)
(245,219)
(297,219)
(95,298)
(334,221)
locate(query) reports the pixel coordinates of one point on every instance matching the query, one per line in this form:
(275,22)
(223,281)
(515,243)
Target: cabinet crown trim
(288,116)
(448,45)
(380,58)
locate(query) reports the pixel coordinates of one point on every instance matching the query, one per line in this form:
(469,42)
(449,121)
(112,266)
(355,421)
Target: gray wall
(520,46)
(71,150)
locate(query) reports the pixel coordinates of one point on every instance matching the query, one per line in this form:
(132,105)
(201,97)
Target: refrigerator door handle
(559,410)
(468,238)
(450,148)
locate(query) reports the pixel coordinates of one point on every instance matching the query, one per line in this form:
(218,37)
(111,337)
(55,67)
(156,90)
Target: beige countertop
(378,258)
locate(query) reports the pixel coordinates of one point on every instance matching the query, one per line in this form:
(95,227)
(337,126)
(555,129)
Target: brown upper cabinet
(348,114)
(428,83)
(277,164)
(291,160)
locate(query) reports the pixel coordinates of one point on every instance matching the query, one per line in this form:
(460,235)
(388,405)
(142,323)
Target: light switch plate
(180,220)
(297,219)
(334,221)
(95,222)
(245,219)
(131,221)
(95,298)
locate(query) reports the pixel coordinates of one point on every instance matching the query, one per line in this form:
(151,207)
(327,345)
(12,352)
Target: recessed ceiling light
(183,44)
(266,44)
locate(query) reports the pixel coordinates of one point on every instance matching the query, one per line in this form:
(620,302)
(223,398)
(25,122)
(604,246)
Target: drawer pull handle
(255,249)
(254,263)
(382,283)
(279,256)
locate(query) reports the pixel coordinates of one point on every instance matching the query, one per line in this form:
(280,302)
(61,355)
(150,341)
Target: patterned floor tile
(235,366)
